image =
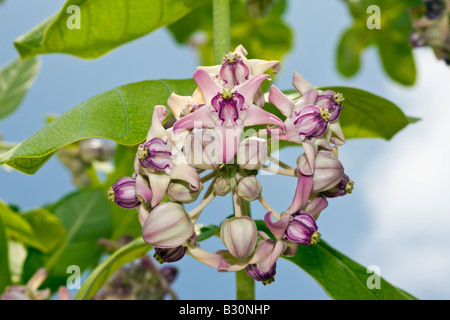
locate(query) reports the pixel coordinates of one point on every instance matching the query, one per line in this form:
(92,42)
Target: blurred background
(397,217)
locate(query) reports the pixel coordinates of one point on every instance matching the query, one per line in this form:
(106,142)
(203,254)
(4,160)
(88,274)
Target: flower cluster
(214,139)
(431,27)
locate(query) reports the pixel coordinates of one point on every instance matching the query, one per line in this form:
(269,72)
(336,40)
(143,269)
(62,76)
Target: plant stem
(221,29)
(245,286)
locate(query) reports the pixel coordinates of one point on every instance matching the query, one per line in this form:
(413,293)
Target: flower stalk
(221,29)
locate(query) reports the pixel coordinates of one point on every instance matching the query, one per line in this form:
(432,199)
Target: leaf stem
(221,29)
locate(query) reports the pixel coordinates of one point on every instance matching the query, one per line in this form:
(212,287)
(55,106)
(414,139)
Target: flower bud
(302,229)
(167,226)
(341,189)
(239,235)
(95,149)
(249,188)
(123,193)
(222,186)
(327,173)
(169,254)
(252,153)
(181,191)
(259,275)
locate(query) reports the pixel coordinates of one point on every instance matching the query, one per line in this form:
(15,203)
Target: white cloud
(408,189)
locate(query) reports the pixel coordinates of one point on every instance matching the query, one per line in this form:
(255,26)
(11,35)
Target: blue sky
(397,216)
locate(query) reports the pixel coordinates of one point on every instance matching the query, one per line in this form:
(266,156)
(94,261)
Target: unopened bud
(252,153)
(239,235)
(169,254)
(249,188)
(303,230)
(222,186)
(95,149)
(327,173)
(265,277)
(167,226)
(181,191)
(123,193)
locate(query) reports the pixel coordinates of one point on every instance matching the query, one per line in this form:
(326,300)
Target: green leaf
(366,115)
(122,114)
(353,41)
(104,25)
(107,267)
(341,277)
(205,232)
(391,39)
(5,274)
(38,229)
(87,217)
(15,79)
(47,228)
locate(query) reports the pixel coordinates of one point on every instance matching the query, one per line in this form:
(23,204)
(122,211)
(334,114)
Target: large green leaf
(341,277)
(47,228)
(366,115)
(123,115)
(87,217)
(104,25)
(37,229)
(5,274)
(107,267)
(15,79)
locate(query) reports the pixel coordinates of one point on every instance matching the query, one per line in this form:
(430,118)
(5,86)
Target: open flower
(228,111)
(236,69)
(313,117)
(162,160)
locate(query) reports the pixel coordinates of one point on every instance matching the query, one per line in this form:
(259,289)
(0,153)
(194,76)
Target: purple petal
(281,101)
(142,189)
(255,116)
(186,173)
(249,88)
(278,227)
(301,84)
(209,87)
(302,193)
(201,118)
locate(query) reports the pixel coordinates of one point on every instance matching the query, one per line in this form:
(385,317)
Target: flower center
(227,94)
(349,186)
(231,57)
(325,114)
(111,195)
(338,98)
(315,237)
(268,281)
(142,153)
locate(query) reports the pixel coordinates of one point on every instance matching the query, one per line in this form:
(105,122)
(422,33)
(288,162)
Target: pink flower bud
(167,226)
(223,186)
(181,191)
(252,153)
(249,188)
(328,171)
(239,235)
